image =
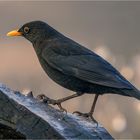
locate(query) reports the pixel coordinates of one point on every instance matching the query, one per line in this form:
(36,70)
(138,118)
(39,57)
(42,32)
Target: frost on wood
(25,117)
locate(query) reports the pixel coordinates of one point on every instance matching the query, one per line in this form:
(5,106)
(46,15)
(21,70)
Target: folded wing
(88,67)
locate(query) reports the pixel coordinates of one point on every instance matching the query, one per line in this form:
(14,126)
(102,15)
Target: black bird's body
(77,68)
(73,66)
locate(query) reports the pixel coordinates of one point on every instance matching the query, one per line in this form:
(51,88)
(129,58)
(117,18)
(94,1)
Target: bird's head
(33,31)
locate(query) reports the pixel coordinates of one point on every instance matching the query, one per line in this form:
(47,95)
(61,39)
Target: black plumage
(73,66)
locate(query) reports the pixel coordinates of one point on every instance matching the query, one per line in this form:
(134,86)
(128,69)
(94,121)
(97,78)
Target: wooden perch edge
(26,118)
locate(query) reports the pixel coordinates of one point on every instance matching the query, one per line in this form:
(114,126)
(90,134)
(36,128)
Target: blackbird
(73,66)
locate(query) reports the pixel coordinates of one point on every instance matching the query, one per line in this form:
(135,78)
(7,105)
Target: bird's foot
(47,100)
(86,115)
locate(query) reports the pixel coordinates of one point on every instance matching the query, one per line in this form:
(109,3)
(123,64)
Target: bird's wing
(88,67)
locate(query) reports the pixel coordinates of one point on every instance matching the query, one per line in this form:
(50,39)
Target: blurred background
(111,29)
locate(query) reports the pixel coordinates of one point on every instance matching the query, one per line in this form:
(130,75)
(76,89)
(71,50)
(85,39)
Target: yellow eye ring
(26,30)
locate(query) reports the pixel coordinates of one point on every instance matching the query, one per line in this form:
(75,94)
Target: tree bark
(24,117)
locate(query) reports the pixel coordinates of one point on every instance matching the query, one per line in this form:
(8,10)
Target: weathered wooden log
(25,117)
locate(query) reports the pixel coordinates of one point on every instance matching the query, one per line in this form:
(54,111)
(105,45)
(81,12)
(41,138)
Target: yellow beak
(14,33)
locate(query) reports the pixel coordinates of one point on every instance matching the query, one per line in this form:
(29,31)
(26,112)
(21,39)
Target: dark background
(112,29)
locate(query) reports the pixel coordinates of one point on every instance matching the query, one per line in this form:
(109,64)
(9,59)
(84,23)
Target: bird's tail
(132,93)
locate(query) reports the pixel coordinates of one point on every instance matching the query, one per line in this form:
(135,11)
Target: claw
(40,97)
(87,115)
(43,98)
(61,108)
(47,100)
(80,114)
(58,103)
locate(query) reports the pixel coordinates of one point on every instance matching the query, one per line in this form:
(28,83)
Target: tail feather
(132,93)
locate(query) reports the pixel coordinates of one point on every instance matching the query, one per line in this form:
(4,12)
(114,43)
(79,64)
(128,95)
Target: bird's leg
(89,114)
(59,101)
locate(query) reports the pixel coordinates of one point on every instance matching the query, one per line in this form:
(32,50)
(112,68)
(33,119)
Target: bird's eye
(26,29)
